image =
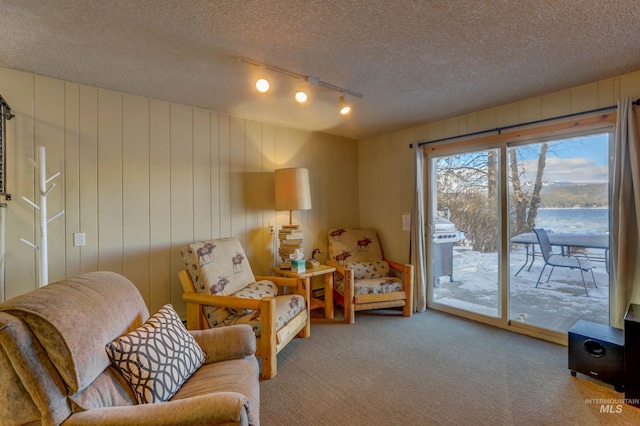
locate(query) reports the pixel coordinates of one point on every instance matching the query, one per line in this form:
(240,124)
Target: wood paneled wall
(387,166)
(143,177)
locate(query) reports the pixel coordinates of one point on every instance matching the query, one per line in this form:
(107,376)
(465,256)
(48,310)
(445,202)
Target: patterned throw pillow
(157,357)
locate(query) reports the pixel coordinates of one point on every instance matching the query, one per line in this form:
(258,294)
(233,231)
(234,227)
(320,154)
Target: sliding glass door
(464,231)
(487,210)
(561,187)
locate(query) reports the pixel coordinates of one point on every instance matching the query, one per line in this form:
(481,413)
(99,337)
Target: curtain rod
(8,115)
(499,130)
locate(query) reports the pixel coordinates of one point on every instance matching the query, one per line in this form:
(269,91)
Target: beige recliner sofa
(54,368)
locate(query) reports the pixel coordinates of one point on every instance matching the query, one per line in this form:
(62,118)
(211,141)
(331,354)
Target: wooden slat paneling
(181,195)
(110,244)
(224,174)
(89,178)
(214,160)
(201,175)
(135,195)
(71,176)
(160,276)
(237,168)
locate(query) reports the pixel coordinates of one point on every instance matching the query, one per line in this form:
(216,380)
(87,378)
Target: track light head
(345,108)
(300,97)
(262,85)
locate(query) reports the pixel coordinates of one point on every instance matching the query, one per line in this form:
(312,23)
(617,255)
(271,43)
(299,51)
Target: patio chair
(562,260)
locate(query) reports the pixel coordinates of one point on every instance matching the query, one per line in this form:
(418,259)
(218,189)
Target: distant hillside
(563,194)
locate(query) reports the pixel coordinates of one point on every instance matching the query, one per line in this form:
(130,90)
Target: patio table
(565,240)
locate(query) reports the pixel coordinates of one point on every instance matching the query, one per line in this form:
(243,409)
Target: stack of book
(291,238)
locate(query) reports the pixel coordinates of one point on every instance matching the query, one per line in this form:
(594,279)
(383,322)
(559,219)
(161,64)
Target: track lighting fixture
(345,108)
(301,96)
(262,85)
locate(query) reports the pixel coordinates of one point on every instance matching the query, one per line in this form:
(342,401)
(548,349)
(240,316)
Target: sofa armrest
(224,343)
(216,408)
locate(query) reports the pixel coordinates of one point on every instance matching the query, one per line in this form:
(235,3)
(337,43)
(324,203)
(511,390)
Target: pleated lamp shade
(292,189)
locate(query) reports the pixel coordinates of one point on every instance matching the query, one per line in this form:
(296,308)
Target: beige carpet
(432,368)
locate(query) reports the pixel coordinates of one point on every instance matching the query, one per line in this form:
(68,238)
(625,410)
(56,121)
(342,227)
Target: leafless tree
(468,186)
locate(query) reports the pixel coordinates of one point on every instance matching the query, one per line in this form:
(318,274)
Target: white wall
(142,177)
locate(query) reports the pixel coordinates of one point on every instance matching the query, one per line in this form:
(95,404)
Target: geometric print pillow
(157,357)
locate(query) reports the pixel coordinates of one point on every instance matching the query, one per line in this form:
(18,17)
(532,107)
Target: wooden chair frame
(271,341)
(361,302)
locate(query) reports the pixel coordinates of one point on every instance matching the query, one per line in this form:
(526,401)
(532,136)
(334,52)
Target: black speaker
(632,355)
(597,350)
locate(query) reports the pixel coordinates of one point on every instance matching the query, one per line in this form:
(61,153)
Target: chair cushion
(354,245)
(236,375)
(287,307)
(157,357)
(257,290)
(371,286)
(221,263)
(365,270)
(199,260)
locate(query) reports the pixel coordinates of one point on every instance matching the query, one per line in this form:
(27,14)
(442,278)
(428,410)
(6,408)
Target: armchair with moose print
(220,290)
(364,279)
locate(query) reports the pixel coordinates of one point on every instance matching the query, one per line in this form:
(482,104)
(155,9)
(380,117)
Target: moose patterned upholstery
(364,278)
(219,270)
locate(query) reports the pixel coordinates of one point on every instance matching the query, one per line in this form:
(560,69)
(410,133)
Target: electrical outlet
(78,239)
(406,222)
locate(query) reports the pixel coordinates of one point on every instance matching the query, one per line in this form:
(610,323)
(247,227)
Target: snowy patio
(554,305)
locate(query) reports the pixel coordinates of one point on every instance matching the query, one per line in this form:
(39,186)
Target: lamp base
(291,238)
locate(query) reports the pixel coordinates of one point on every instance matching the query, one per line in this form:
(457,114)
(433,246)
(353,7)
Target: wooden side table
(325,270)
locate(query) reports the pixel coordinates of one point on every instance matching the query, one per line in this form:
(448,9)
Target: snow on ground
(556,304)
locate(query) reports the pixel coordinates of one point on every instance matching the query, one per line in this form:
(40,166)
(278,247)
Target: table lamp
(292,193)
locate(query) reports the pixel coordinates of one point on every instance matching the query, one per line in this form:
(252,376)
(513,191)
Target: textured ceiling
(414,61)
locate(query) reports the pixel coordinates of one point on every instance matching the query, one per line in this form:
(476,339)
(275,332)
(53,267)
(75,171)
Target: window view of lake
(561,186)
(574,220)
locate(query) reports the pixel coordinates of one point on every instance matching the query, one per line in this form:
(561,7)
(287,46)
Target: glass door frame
(502,142)
(442,150)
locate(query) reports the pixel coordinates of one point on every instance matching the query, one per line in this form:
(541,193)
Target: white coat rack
(41,166)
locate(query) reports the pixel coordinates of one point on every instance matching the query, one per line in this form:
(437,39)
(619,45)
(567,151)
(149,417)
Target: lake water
(573,220)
